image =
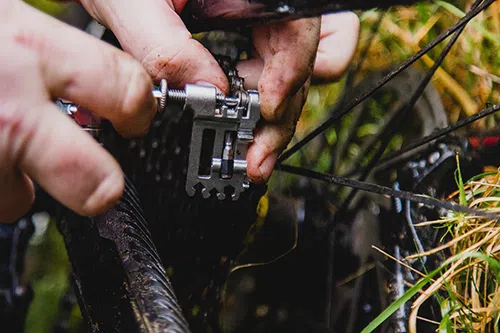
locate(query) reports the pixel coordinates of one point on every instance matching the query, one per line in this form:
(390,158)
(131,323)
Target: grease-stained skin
(45,59)
(281,68)
(49,59)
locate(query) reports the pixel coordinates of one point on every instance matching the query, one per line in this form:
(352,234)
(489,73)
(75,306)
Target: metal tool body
(222,132)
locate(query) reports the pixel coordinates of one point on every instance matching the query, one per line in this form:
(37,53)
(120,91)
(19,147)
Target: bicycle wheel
(120,282)
(198,240)
(358,280)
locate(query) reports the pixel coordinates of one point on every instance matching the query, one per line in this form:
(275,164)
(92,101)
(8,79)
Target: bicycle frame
(205,15)
(221,17)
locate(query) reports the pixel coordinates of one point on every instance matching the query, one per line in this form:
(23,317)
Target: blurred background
(468,79)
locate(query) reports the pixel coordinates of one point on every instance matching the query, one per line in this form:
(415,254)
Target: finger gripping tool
(223,129)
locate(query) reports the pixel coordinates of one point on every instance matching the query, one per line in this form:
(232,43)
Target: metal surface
(221,134)
(231,120)
(88,121)
(430,172)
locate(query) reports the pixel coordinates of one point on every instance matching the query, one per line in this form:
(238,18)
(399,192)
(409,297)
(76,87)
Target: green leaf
(393,307)
(445,324)
(460,183)
(459,13)
(399,302)
(492,262)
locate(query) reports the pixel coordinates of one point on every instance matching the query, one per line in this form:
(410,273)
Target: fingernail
(105,196)
(267,166)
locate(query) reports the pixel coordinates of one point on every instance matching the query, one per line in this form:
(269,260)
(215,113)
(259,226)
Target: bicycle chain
(228,66)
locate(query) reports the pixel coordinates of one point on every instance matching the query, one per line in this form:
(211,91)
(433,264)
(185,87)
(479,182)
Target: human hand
(41,59)
(285,53)
(290,56)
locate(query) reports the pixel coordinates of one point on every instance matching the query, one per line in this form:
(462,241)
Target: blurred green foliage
(47,264)
(48,269)
(50,7)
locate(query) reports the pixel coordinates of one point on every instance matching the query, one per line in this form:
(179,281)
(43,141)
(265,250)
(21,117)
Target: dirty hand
(152,31)
(43,58)
(288,56)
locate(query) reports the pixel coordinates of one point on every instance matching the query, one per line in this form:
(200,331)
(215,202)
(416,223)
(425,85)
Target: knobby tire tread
(117,268)
(115,251)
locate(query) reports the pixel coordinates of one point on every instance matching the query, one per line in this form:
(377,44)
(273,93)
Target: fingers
(337,46)
(39,143)
(16,189)
(281,71)
(89,72)
(153,33)
(272,137)
(288,51)
(288,58)
(68,163)
(250,70)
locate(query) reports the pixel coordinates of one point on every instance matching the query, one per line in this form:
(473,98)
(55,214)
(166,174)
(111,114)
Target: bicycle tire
(109,255)
(190,233)
(116,266)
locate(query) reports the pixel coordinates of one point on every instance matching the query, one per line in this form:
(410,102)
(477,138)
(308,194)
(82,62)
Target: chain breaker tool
(222,132)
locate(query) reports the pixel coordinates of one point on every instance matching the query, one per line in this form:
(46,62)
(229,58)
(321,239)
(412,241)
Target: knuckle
(15,130)
(138,91)
(168,62)
(164,66)
(187,62)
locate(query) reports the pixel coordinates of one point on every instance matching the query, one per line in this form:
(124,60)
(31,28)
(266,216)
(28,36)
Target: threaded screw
(178,96)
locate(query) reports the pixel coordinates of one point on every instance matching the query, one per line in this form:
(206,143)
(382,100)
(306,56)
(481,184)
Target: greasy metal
(429,171)
(233,118)
(197,239)
(162,100)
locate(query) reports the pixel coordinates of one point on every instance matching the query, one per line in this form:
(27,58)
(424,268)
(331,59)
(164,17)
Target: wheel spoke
(338,115)
(395,156)
(336,155)
(395,122)
(384,190)
(364,52)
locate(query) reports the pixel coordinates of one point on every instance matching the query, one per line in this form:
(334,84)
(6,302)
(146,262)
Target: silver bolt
(163,94)
(177,96)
